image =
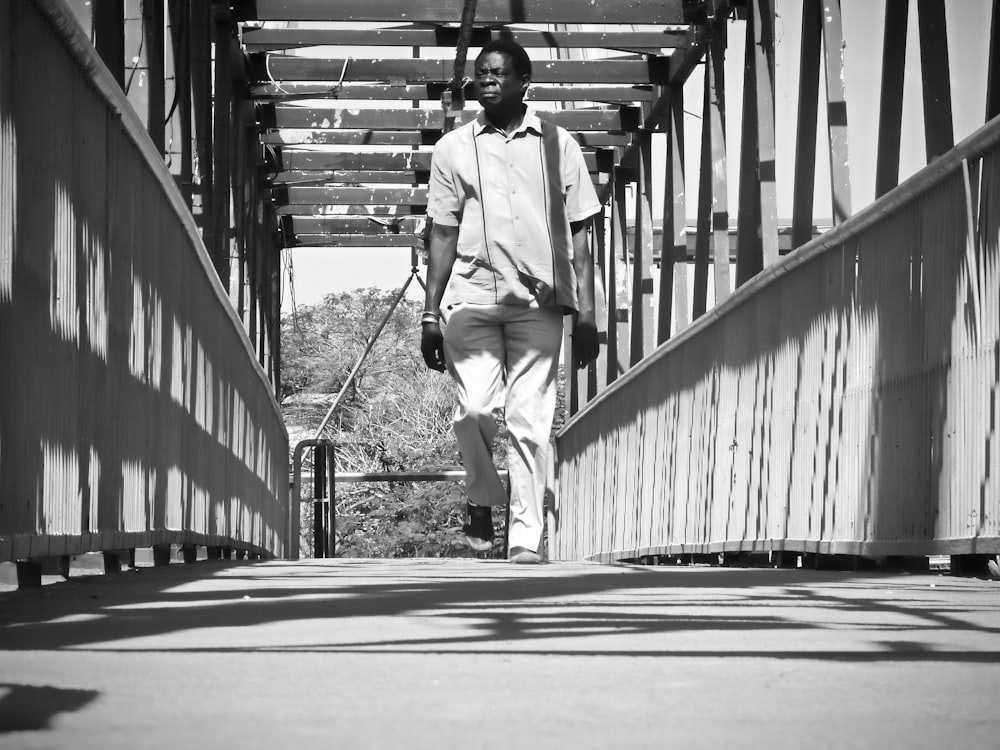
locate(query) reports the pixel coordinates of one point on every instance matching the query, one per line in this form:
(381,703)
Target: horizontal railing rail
(845,401)
(324,482)
(134,412)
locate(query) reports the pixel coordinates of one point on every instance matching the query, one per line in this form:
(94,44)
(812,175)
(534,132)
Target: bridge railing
(845,401)
(133,412)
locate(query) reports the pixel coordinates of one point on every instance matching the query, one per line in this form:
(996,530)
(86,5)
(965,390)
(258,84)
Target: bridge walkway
(482,654)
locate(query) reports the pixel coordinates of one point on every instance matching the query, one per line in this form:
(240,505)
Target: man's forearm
(441,255)
(583,266)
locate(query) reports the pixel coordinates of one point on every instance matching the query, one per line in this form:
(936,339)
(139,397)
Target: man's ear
(525,82)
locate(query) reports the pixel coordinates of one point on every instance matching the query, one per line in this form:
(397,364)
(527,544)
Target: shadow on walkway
(491,606)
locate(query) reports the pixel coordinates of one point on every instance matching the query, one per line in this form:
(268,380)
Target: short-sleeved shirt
(492,185)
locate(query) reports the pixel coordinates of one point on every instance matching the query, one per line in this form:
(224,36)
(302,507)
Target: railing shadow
(571,610)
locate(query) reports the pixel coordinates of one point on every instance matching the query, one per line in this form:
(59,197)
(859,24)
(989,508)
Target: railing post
(319,491)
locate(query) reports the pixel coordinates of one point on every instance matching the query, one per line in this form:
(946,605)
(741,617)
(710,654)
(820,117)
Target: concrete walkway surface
(485,654)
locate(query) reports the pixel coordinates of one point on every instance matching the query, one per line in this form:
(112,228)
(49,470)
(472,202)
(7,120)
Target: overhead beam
(269,68)
(356,225)
(294,160)
(488,12)
(294,91)
(619,119)
(352,240)
(298,136)
(325,209)
(447,36)
(341,176)
(343,195)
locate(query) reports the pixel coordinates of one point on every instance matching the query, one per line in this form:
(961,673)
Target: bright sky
(321,271)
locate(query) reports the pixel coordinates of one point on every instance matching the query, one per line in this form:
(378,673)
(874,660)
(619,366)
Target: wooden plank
(538,92)
(271,68)
(890,119)
(488,12)
(836,110)
(935,77)
(621,119)
(806,122)
(447,36)
(298,136)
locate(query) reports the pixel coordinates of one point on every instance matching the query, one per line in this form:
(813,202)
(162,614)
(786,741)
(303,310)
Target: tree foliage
(396,416)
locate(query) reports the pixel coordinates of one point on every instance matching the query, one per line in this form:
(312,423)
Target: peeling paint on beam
(488,12)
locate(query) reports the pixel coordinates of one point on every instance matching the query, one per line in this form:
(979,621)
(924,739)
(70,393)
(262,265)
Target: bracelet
(429,316)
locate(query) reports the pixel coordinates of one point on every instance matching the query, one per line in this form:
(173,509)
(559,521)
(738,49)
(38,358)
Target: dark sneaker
(524,556)
(478,527)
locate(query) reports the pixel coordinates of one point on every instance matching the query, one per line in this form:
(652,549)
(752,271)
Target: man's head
(502,74)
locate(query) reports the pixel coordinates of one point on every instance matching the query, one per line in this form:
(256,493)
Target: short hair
(518,57)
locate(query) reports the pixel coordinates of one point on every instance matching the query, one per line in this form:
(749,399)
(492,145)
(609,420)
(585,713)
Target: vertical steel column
(643,313)
(720,169)
(598,371)
(619,247)
(319,494)
(763,17)
(331,457)
(201,85)
(704,230)
(611,285)
(749,256)
(890,118)
(222,156)
(836,103)
(665,298)
(109,33)
(152,17)
(805,135)
(180,32)
(993,75)
(674,275)
(935,76)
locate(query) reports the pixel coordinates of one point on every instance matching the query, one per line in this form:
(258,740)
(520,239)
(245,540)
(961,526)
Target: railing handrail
(79,46)
(925,179)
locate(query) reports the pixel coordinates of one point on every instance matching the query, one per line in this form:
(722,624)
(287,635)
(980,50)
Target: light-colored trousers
(504,359)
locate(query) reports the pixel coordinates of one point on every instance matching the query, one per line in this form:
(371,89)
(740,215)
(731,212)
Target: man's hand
(586,344)
(432,346)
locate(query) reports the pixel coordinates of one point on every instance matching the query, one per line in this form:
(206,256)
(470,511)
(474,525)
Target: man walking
(511,203)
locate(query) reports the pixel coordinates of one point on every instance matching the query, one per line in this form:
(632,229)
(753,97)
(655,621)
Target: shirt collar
(530,122)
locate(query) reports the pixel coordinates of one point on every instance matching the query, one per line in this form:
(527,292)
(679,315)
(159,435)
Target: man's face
(497,85)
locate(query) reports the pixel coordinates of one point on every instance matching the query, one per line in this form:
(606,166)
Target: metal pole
(319,491)
(331,457)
